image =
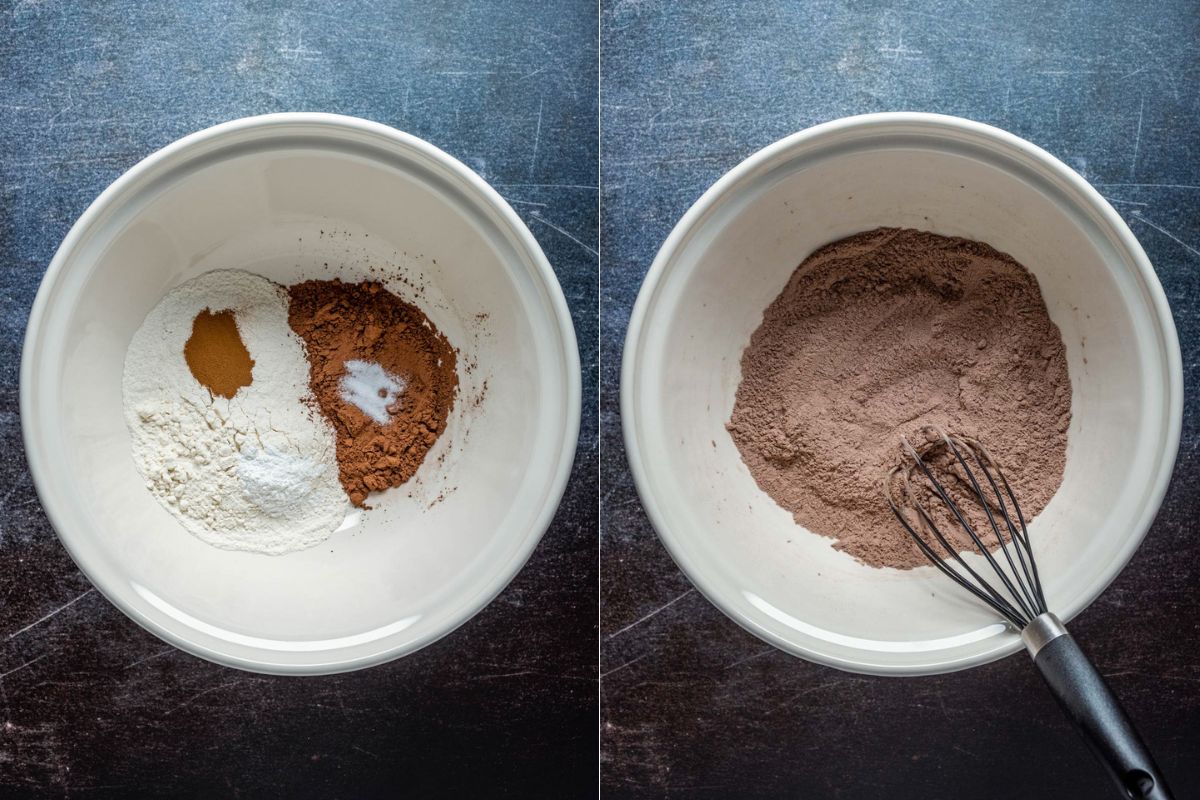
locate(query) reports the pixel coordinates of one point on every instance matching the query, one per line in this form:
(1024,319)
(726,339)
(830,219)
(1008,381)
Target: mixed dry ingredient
(259,415)
(878,336)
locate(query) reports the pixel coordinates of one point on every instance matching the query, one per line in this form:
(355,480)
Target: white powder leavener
(371,388)
(254,472)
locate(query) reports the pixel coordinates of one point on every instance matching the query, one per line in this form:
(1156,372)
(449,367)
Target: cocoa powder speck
(878,336)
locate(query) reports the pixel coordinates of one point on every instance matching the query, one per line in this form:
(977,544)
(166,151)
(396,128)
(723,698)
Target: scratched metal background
(694,706)
(93,706)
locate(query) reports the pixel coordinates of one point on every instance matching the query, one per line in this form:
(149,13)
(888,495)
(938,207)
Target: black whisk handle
(1093,708)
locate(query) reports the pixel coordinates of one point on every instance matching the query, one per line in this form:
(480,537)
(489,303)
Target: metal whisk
(1014,591)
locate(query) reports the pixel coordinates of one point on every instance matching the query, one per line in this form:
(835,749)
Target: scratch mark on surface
(197,696)
(547,222)
(1137,140)
(546,186)
(524,202)
(964,751)
(299,52)
(752,657)
(696,44)
(56,611)
(656,611)
(341,702)
(1126,202)
(658,161)
(23,666)
(1143,674)
(366,752)
(1154,185)
(692,122)
(670,104)
(900,51)
(615,670)
(804,693)
(159,654)
(70,104)
(1139,216)
(537,137)
(516,674)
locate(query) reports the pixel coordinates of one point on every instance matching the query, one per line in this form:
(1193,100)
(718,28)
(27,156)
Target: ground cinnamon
(359,324)
(216,354)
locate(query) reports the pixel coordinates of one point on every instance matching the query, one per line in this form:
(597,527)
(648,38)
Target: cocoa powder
(878,336)
(364,322)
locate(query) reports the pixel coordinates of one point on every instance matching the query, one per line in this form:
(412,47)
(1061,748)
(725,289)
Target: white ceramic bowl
(731,255)
(282,195)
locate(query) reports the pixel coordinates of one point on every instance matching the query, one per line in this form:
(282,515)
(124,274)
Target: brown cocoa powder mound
(877,336)
(342,322)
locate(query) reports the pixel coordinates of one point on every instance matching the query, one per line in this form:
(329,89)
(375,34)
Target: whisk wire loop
(1028,604)
(1017,593)
(931,525)
(1034,579)
(1023,611)
(985,594)
(1019,537)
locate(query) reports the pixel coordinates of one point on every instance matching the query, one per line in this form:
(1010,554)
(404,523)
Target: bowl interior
(293,201)
(744,551)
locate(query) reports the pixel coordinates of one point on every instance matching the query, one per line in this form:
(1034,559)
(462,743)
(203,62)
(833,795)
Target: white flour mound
(255,472)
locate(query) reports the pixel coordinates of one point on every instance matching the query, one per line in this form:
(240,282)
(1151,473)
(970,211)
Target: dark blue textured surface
(91,705)
(696,707)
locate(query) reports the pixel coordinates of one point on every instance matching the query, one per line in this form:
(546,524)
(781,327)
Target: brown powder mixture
(216,354)
(877,336)
(342,322)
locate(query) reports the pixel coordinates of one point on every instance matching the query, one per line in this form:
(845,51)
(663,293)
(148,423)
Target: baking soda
(371,389)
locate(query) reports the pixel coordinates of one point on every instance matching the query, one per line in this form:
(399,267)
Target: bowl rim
(478,191)
(863,125)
